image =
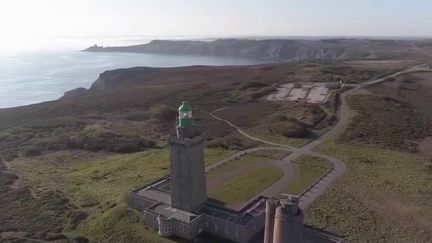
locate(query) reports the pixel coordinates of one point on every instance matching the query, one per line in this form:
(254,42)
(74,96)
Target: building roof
(169,212)
(241,217)
(156,195)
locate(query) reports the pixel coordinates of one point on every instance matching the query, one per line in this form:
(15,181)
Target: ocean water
(33,77)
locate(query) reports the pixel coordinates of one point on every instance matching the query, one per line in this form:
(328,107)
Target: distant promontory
(283,49)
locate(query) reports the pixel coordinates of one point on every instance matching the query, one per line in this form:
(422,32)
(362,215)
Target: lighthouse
(177,204)
(188,182)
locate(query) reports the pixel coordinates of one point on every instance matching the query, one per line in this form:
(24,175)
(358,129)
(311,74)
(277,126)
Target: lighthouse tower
(188,183)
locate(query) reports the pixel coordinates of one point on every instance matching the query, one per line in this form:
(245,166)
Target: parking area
(316,93)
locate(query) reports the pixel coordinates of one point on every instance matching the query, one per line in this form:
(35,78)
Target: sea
(38,75)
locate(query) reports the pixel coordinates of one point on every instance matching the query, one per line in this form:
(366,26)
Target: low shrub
(262,92)
(64,121)
(239,96)
(288,127)
(80,239)
(253,84)
(30,151)
(163,113)
(136,116)
(385,122)
(228,142)
(109,141)
(96,141)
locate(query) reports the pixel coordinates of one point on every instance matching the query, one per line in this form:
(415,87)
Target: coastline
(31,78)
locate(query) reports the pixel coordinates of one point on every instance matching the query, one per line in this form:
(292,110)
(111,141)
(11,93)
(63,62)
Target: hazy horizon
(31,25)
(77,43)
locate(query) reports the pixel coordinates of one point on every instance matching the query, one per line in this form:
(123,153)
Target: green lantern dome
(185,106)
(185,115)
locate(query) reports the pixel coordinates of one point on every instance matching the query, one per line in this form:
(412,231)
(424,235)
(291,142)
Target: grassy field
(384,196)
(98,183)
(213,155)
(246,186)
(119,224)
(310,169)
(244,160)
(99,179)
(242,179)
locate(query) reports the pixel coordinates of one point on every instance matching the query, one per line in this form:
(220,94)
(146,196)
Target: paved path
(323,183)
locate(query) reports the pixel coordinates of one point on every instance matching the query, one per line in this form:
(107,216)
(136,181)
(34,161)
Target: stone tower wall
(269,221)
(288,228)
(188,182)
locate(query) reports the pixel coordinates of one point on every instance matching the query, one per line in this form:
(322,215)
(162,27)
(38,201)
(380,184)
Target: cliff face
(114,79)
(278,49)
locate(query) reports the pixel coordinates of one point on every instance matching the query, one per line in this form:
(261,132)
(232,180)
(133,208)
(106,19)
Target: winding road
(321,185)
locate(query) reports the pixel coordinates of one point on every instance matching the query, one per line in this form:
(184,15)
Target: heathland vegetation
(385,194)
(67,164)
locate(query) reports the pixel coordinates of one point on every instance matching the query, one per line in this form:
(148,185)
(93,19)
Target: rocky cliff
(113,79)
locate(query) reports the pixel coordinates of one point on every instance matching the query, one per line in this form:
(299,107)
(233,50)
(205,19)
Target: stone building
(177,205)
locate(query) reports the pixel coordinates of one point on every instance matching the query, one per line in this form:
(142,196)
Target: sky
(32,22)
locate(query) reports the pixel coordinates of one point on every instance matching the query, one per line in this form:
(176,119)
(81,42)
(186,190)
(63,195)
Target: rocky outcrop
(277,49)
(74,93)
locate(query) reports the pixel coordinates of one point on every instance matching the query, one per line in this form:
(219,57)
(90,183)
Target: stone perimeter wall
(232,231)
(174,227)
(213,225)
